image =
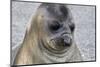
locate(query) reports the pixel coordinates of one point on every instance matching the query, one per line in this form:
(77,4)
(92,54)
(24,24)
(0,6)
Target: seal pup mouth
(62,42)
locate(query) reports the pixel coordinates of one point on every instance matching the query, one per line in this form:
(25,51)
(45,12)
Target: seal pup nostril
(67,42)
(67,39)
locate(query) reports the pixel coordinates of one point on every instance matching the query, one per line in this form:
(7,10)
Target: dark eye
(72,27)
(55,26)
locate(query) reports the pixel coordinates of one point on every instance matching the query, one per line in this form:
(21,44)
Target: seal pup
(49,38)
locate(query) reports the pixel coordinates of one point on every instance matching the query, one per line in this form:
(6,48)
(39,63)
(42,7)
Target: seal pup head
(54,27)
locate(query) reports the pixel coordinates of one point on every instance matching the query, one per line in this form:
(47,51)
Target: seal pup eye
(54,26)
(72,26)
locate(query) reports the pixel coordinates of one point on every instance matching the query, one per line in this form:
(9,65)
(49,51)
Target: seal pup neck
(52,57)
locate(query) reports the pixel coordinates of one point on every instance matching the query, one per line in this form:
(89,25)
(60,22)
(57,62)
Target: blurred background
(84,18)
